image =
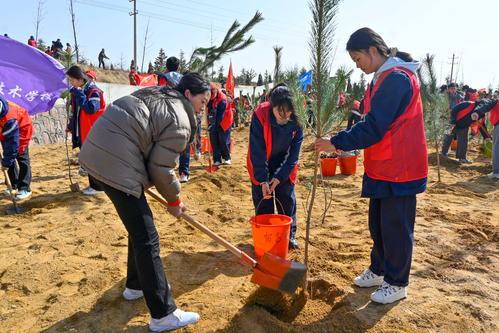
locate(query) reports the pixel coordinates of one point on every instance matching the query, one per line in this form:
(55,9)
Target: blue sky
(442,27)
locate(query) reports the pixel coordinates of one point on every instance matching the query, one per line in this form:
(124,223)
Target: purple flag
(29,77)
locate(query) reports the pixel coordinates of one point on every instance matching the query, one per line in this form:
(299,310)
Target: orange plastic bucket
(271,234)
(348,164)
(453,144)
(328,166)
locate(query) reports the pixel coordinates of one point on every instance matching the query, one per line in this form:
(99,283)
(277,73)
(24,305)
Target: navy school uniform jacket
(286,144)
(481,107)
(216,115)
(388,103)
(81,102)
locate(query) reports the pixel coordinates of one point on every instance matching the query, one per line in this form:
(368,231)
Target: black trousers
(391,223)
(144,268)
(20,177)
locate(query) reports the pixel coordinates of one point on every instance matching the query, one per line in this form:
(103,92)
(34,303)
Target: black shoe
(293,244)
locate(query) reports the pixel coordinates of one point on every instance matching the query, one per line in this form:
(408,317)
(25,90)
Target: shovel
(17,209)
(271,271)
(210,168)
(72,185)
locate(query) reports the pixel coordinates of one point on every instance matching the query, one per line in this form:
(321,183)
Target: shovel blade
(211,169)
(74,187)
(14,209)
(279,274)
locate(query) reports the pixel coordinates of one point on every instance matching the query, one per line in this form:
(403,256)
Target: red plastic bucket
(328,166)
(348,164)
(453,144)
(271,234)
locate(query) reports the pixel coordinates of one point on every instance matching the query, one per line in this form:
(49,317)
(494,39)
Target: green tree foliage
(160,61)
(235,40)
(435,105)
(259,82)
(326,90)
(182,62)
(277,65)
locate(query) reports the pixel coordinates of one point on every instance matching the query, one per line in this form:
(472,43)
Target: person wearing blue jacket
(274,149)
(395,160)
(86,105)
(16,130)
(219,127)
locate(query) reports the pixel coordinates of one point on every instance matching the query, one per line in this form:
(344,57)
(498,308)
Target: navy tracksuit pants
(391,223)
(284,194)
(220,143)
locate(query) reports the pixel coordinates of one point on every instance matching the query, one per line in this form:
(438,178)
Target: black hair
(281,96)
(172,64)
(193,82)
(364,38)
(77,73)
(452,85)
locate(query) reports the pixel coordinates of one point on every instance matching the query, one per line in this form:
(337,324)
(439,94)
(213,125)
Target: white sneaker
(368,279)
(493,175)
(184,178)
(89,191)
(387,293)
(227,162)
(173,321)
(21,195)
(132,294)
(216,164)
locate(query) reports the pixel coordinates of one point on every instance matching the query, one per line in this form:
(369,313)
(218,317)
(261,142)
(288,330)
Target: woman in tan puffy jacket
(136,144)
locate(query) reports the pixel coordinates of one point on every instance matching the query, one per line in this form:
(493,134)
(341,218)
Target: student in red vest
(463,115)
(220,118)
(494,120)
(15,133)
(273,152)
(32,41)
(395,160)
(355,113)
(87,104)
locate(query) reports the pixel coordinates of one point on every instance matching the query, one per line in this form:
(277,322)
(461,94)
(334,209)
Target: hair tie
(393,51)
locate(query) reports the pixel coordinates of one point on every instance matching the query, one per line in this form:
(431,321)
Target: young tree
(160,61)
(182,62)
(277,65)
(221,78)
(249,76)
(202,58)
(435,104)
(266,77)
(150,68)
(327,90)
(259,82)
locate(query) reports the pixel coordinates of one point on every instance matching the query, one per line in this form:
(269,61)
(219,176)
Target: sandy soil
(63,261)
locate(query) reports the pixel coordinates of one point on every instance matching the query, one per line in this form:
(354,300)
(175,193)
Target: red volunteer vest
(88,120)
(461,114)
(228,118)
(24,123)
(401,155)
(494,114)
(262,112)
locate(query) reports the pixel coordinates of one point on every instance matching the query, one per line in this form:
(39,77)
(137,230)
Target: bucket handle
(261,200)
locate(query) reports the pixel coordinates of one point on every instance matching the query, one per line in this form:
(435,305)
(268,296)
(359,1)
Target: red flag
(229,86)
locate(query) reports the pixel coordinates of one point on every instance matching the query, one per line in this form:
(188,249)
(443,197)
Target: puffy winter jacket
(137,141)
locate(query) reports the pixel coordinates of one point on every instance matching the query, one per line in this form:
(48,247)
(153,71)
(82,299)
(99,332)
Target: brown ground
(62,262)
(109,76)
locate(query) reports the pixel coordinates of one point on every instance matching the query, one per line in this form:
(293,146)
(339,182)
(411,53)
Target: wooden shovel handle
(238,253)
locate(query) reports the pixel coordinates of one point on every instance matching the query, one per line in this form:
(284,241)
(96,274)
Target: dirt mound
(63,261)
